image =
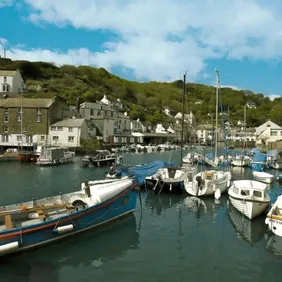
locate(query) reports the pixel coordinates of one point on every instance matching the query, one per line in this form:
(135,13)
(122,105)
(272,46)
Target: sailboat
(171,179)
(242,160)
(210,182)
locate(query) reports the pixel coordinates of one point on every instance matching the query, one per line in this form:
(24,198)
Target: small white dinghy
(274,217)
(263,176)
(249,197)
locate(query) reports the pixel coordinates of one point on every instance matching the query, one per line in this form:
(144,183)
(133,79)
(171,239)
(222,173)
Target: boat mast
(245,120)
(21,121)
(182,122)
(216,114)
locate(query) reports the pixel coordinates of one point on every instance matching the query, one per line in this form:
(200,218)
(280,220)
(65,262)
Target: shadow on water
(89,249)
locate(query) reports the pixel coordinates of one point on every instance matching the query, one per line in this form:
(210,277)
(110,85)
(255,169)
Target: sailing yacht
(210,182)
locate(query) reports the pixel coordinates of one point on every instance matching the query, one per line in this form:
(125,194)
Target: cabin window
(257,194)
(55,138)
(6,118)
(70,129)
(5,128)
(245,192)
(71,138)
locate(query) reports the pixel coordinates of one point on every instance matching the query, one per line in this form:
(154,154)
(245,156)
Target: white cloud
(207,29)
(273,96)
(234,87)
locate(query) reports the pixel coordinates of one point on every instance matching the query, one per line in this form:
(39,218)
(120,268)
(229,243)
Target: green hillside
(144,100)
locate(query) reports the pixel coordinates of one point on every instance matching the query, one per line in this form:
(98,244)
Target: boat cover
(140,172)
(272,153)
(259,158)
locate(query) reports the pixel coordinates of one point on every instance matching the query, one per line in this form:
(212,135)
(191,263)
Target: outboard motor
(199,180)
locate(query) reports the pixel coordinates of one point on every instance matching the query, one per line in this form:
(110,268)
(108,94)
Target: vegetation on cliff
(144,100)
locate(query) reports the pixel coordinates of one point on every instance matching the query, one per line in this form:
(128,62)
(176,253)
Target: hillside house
(268,133)
(11,81)
(28,127)
(69,132)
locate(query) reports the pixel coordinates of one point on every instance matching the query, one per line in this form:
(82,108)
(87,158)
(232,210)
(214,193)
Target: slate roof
(72,122)
(27,103)
(7,72)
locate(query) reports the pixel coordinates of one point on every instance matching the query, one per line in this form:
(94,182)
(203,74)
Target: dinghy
(263,176)
(249,197)
(38,222)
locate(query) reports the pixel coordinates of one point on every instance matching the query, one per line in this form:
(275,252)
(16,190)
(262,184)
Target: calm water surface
(172,238)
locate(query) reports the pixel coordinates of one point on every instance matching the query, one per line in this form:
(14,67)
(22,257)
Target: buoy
(217,194)
(23,208)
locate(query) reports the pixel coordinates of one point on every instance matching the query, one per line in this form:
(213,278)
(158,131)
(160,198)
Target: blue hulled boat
(39,222)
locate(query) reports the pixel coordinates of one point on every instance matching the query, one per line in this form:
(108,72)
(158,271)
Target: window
(38,118)
(245,192)
(24,128)
(42,138)
(5,138)
(55,138)
(53,128)
(5,79)
(19,119)
(60,128)
(257,194)
(19,110)
(70,129)
(5,128)
(4,88)
(273,133)
(6,111)
(112,114)
(38,111)
(71,138)
(91,112)
(6,118)
(7,88)
(98,113)
(19,138)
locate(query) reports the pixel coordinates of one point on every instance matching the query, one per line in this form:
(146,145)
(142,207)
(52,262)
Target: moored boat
(249,197)
(39,222)
(263,176)
(102,158)
(274,217)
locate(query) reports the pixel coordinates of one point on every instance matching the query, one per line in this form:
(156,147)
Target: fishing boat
(102,158)
(38,222)
(207,183)
(274,217)
(249,197)
(263,176)
(167,179)
(55,156)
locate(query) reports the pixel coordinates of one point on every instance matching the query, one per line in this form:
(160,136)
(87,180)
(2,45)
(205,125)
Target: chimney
(78,104)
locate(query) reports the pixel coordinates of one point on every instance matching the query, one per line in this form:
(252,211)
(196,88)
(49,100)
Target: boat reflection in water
(92,250)
(273,244)
(249,230)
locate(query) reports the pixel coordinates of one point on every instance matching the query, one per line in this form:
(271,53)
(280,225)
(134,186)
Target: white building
(69,132)
(251,105)
(109,103)
(160,129)
(188,118)
(11,81)
(166,110)
(268,133)
(137,126)
(124,124)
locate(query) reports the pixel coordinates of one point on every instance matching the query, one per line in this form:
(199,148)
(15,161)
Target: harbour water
(169,238)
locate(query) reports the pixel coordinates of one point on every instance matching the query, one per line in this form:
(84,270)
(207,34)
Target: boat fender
(170,187)
(33,215)
(213,187)
(65,228)
(217,194)
(228,183)
(8,248)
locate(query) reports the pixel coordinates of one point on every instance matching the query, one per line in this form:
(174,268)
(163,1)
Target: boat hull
(240,163)
(161,186)
(250,209)
(40,234)
(54,162)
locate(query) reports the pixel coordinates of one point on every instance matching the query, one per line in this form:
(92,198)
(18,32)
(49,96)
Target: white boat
(167,179)
(277,165)
(274,217)
(241,161)
(191,158)
(206,183)
(263,176)
(55,156)
(249,197)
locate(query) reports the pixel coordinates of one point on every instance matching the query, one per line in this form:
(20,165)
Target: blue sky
(153,39)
